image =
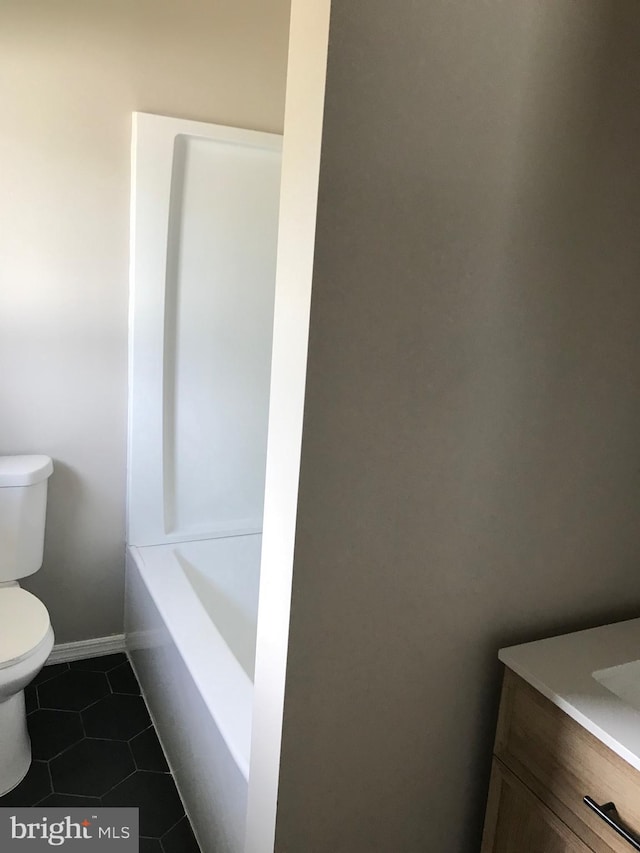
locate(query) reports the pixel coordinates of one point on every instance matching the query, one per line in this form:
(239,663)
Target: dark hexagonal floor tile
(49,672)
(91,767)
(33,788)
(180,839)
(117,716)
(101,664)
(155,795)
(31,698)
(100,768)
(73,690)
(53,731)
(147,752)
(122,679)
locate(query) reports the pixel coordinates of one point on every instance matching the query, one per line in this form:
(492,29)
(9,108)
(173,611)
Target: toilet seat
(24,624)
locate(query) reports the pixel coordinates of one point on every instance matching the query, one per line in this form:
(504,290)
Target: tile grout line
(171,828)
(120,782)
(35,805)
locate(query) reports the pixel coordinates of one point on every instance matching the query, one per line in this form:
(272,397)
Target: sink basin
(623,681)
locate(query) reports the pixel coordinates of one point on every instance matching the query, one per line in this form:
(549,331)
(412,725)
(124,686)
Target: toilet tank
(23,505)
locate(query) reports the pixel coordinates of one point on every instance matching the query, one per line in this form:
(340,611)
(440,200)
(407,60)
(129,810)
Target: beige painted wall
(470,460)
(72,72)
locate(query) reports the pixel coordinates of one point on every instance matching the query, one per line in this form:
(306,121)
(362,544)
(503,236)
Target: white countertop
(562,668)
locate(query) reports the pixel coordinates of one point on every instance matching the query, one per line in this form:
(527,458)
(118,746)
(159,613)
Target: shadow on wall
(64,500)
(571,267)
(571,305)
(68,536)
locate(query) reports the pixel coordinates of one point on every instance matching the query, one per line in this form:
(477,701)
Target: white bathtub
(204,225)
(191,628)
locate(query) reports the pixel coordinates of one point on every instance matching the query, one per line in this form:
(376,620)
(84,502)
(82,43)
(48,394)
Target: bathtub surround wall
(204,231)
(471,441)
(74,72)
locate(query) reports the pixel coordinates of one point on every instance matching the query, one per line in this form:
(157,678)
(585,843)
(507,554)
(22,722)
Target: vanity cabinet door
(517,822)
(561,763)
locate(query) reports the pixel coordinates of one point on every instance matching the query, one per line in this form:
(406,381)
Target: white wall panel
(204,234)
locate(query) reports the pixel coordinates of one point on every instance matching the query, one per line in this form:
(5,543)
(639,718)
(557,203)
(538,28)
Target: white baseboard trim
(80,649)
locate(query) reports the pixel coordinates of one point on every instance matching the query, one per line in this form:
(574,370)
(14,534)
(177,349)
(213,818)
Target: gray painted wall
(470,473)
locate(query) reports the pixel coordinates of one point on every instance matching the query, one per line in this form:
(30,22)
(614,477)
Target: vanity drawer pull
(605,811)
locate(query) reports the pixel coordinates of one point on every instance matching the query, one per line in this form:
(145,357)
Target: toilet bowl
(26,640)
(26,636)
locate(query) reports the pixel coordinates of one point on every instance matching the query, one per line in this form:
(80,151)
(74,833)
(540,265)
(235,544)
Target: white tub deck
(207,594)
(191,629)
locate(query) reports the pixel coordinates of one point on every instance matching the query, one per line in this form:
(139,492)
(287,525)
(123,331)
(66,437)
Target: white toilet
(26,636)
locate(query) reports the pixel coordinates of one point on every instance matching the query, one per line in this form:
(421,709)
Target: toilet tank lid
(24,470)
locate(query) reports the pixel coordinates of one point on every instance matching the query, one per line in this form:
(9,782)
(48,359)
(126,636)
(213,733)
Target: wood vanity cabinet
(544,764)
